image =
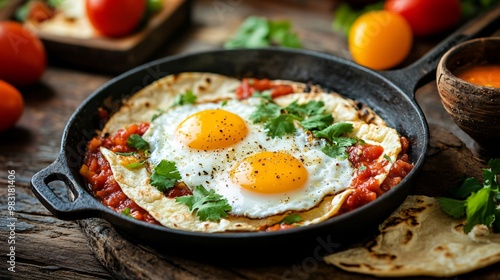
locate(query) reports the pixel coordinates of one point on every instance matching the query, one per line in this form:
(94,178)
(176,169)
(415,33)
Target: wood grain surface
(48,248)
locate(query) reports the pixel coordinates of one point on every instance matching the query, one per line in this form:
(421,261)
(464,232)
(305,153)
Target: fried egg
(217,145)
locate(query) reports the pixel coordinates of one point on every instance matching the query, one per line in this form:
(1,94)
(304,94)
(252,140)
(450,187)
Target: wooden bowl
(474,108)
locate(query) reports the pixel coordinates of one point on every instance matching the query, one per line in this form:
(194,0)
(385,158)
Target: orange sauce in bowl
(483,75)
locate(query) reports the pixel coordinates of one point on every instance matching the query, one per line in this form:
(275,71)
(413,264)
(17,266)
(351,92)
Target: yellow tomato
(380,39)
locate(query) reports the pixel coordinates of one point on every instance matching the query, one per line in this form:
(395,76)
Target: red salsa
(97,171)
(366,187)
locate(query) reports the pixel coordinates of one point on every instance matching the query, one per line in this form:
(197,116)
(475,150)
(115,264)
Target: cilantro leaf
(469,186)
(281,125)
(334,131)
(482,201)
(257,32)
(335,151)
(291,219)
(310,108)
(207,204)
(136,141)
(480,209)
(317,122)
(187,98)
(452,207)
(265,111)
(165,175)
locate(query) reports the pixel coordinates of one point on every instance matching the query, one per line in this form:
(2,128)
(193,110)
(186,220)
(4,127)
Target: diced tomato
(281,90)
(249,86)
(244,90)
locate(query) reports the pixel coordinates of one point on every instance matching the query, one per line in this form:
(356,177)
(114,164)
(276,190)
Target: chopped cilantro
(266,94)
(224,103)
(336,144)
(129,154)
(165,175)
(187,98)
(333,131)
(265,111)
(362,167)
(310,108)
(480,203)
(136,165)
(291,219)
(207,204)
(281,125)
(317,122)
(126,212)
(279,121)
(388,158)
(155,116)
(136,141)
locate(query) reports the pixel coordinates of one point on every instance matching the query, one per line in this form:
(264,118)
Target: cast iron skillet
(390,93)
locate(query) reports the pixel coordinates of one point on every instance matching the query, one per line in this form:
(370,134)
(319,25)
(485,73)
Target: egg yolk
(270,173)
(211,129)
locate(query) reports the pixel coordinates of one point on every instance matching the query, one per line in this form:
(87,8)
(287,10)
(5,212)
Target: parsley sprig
(479,203)
(207,204)
(165,175)
(279,121)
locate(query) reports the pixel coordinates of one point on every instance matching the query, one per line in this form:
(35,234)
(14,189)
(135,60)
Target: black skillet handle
(82,206)
(423,70)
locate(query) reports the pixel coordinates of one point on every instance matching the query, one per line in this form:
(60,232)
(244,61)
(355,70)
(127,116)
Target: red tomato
(115,18)
(427,17)
(11,106)
(22,55)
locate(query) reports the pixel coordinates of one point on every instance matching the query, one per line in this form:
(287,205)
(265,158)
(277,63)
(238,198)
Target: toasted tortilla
(420,239)
(208,87)
(211,87)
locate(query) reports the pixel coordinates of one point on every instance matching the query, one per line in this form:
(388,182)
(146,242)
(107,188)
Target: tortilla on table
(420,239)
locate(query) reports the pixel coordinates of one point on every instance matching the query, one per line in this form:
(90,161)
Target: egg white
(212,168)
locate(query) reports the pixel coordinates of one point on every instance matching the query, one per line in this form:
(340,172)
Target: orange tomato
(22,55)
(380,39)
(11,106)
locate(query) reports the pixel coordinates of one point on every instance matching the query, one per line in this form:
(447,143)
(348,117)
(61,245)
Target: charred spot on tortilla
(228,164)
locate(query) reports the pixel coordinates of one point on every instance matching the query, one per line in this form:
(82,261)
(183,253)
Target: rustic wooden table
(49,248)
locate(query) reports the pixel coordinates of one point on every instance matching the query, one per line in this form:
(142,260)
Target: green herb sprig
(257,32)
(185,98)
(165,175)
(478,202)
(279,121)
(207,204)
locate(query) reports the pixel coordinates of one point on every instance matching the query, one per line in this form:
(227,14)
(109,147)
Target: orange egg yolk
(270,173)
(211,129)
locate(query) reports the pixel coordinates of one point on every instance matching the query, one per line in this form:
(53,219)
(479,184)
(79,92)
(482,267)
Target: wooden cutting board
(104,54)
